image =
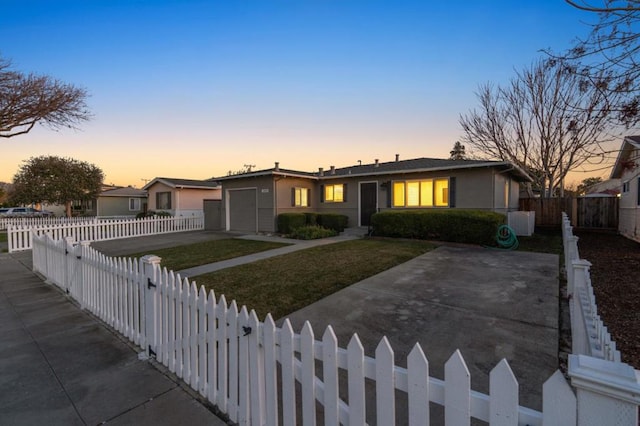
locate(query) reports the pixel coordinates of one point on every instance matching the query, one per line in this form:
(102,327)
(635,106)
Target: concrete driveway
(488,303)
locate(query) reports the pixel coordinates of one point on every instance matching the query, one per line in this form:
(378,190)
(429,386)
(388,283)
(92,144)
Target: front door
(368,202)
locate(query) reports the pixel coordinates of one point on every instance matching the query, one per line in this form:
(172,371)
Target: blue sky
(193,89)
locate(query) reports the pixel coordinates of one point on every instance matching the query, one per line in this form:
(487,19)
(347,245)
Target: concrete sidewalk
(61,366)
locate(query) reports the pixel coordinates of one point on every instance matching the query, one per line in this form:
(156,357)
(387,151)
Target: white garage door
(243,212)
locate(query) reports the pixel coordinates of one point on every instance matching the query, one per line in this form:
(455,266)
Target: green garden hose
(506,238)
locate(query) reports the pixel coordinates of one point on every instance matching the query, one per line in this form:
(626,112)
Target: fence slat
(457,400)
(307,375)
(355,361)
(558,401)
(244,405)
(385,387)
(270,369)
(503,386)
(330,376)
(287,357)
(418,387)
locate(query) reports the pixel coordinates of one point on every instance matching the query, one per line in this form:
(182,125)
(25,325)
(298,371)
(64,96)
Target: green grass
(283,284)
(187,256)
(542,241)
(3,237)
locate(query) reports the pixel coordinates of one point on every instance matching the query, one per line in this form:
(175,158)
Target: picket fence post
(150,274)
(607,392)
(82,273)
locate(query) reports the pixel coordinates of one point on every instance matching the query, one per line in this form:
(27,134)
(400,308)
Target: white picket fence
(249,369)
(41,221)
(19,237)
(589,334)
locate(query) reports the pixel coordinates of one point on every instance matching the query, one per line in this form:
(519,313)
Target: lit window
(300,197)
(134,204)
(334,193)
(421,193)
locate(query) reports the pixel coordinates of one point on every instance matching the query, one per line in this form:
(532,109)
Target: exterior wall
(118,206)
(480,189)
(189,201)
(184,201)
(160,187)
(265,188)
(629,219)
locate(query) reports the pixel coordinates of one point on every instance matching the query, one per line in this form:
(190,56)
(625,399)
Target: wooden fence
(583,212)
(20,237)
(259,374)
(41,221)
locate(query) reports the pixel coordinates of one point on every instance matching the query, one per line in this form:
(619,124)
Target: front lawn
(188,256)
(3,237)
(283,284)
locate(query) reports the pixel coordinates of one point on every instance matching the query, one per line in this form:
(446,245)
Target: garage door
(242,210)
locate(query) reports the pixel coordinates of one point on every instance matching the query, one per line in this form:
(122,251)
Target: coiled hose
(506,238)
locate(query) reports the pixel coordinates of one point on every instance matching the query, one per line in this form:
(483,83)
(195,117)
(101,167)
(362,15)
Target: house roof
(391,167)
(629,144)
(183,183)
(124,192)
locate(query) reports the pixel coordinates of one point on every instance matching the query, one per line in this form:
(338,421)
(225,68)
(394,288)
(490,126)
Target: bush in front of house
(311,218)
(334,221)
(287,222)
(311,232)
(152,213)
(461,226)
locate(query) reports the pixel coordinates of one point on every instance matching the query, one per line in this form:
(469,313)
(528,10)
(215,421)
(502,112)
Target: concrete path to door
(488,303)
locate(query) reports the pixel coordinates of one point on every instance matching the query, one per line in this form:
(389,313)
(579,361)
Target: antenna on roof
(145,180)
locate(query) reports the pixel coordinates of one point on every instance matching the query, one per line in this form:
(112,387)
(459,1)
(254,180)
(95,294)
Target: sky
(195,89)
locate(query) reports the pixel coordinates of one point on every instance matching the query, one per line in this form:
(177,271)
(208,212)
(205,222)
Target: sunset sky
(193,89)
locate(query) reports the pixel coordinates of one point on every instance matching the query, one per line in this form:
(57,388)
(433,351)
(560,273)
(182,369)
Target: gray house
(251,202)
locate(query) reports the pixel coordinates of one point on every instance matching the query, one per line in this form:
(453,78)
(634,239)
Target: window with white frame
(625,186)
(421,193)
(134,204)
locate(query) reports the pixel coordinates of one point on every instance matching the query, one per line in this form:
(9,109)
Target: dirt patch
(615,276)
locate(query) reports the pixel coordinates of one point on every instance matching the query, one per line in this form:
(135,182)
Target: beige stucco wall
(184,201)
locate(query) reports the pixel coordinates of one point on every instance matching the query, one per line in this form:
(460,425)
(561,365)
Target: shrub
(287,222)
(311,218)
(462,226)
(334,221)
(151,213)
(312,232)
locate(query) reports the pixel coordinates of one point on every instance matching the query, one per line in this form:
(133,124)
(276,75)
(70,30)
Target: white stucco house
(627,170)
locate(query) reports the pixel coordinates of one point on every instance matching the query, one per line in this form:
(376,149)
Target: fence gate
(597,212)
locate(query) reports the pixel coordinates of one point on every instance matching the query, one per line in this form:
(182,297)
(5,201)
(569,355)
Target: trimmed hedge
(312,232)
(287,222)
(461,226)
(334,221)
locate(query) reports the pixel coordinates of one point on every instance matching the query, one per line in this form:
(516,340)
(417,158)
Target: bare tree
(612,47)
(27,99)
(547,120)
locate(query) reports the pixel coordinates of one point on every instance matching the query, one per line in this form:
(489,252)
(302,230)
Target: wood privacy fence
(583,212)
(259,374)
(20,237)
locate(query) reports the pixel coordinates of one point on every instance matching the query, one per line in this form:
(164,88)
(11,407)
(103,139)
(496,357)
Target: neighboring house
(181,197)
(626,169)
(607,187)
(112,201)
(127,201)
(251,202)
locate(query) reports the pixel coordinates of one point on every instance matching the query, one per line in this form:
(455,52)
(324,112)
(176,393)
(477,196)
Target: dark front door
(368,202)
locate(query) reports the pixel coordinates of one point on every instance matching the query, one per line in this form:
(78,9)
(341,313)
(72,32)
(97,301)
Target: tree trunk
(67,208)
